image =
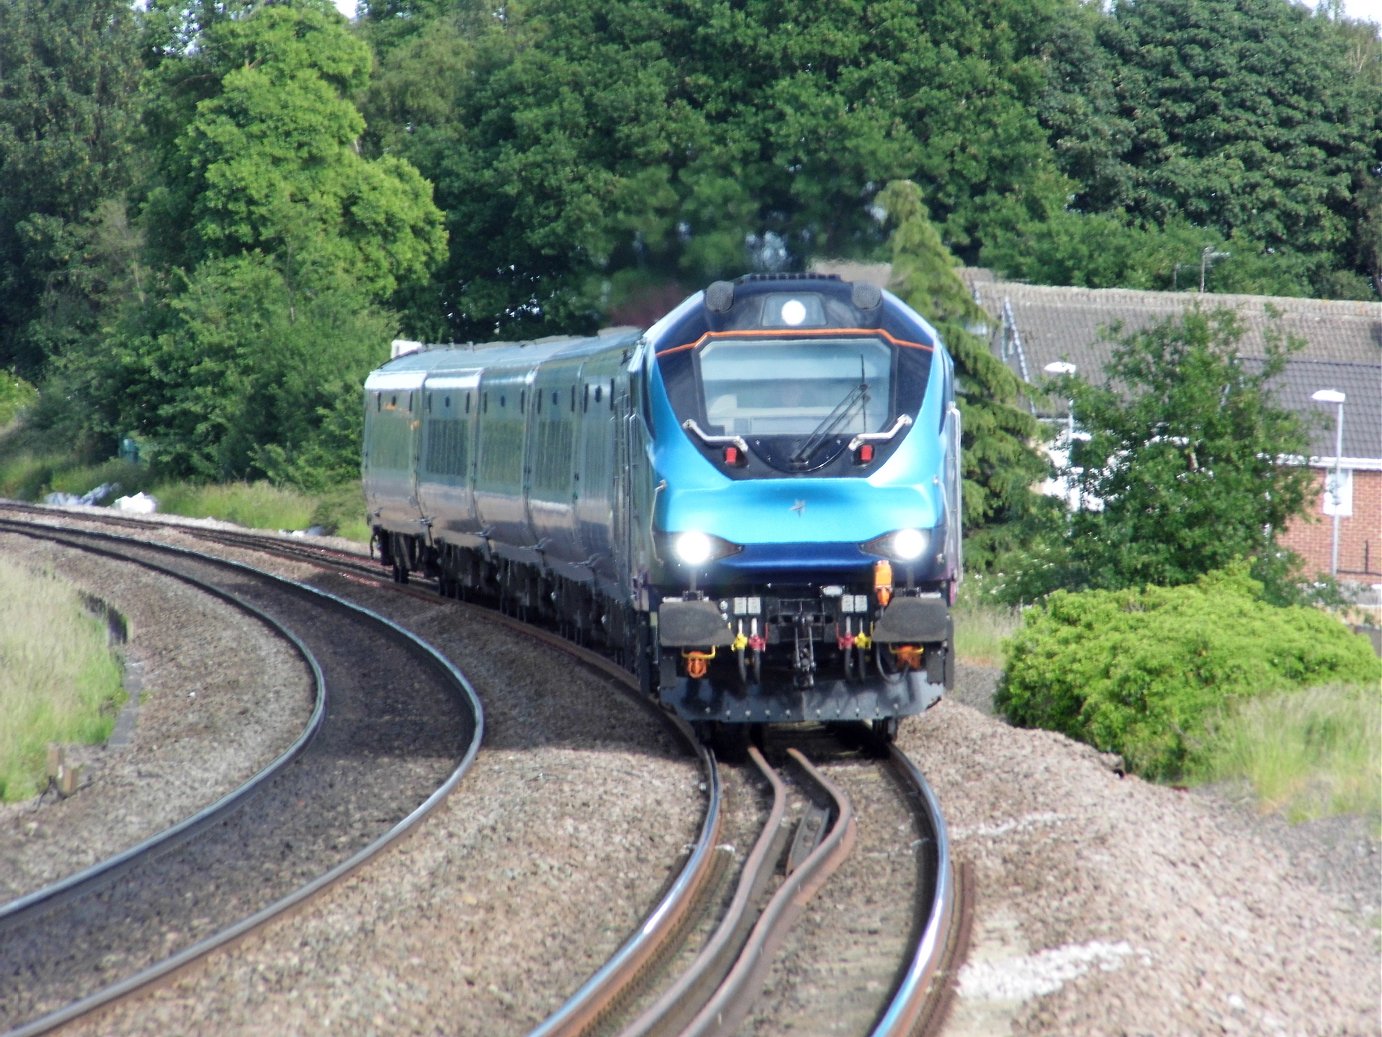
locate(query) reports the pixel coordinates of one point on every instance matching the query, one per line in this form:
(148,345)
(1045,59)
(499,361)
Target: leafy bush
(1142,673)
(15,395)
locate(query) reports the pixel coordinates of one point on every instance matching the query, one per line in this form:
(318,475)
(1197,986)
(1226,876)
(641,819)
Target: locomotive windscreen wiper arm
(854,400)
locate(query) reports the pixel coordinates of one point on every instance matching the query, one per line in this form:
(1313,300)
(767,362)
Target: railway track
(699,960)
(714,968)
(377,755)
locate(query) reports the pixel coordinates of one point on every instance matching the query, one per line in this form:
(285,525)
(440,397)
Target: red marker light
(865,453)
(732,455)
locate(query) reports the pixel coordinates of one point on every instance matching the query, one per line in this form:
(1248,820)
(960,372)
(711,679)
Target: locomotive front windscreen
(795,388)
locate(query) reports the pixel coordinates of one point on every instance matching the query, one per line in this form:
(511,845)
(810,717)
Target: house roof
(1034,325)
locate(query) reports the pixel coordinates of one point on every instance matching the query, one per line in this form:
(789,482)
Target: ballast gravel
(1107,905)
(1103,904)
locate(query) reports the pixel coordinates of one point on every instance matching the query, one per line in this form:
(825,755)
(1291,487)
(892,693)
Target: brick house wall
(1360,534)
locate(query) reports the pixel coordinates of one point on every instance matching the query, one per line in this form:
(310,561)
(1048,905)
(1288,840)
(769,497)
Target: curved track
(622,996)
(378,755)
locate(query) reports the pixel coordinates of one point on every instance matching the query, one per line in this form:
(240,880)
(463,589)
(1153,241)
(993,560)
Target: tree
(579,143)
(999,465)
(1188,462)
(272,249)
(268,162)
(1247,119)
(68,76)
(242,376)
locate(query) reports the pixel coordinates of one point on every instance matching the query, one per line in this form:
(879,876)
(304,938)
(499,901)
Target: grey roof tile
(1034,325)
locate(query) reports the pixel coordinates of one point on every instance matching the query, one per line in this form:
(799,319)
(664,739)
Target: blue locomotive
(754,504)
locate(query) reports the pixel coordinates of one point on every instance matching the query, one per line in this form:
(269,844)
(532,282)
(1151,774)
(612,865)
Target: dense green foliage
(217,212)
(15,395)
(580,145)
(999,465)
(266,249)
(1245,127)
(69,71)
(1144,673)
(1181,473)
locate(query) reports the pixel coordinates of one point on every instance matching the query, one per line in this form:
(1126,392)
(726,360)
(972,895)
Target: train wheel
(729,742)
(884,730)
(881,734)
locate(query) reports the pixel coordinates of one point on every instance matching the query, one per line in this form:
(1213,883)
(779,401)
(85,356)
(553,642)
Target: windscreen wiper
(854,400)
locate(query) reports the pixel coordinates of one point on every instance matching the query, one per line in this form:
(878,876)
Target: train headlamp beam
(694,548)
(901,545)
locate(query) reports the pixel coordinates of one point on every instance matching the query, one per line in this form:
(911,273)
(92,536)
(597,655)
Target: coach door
(603,381)
(499,474)
(553,483)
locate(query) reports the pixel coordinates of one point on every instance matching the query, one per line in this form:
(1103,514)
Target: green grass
(1307,754)
(29,475)
(257,505)
(980,630)
(59,681)
(260,505)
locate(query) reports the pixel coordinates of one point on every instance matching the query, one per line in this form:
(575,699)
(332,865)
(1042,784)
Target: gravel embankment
(1104,905)
(1107,905)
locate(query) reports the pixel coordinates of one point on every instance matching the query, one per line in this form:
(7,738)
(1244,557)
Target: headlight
(694,548)
(903,545)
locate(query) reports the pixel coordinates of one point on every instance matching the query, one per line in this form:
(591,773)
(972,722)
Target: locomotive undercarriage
(723,663)
(529,592)
(794,658)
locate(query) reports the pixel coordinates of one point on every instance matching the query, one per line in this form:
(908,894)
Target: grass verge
(59,681)
(29,475)
(980,631)
(1307,754)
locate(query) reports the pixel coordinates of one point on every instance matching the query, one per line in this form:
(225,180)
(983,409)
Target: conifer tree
(1000,464)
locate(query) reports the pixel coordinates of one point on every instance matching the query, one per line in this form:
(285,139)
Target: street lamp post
(1060,368)
(1335,396)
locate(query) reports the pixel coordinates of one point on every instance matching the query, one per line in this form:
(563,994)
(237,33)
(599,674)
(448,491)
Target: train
(753,505)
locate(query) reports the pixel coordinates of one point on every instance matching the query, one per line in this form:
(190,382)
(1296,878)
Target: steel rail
(585,1007)
(909,1002)
(727,1007)
(164,968)
(103,871)
(714,960)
